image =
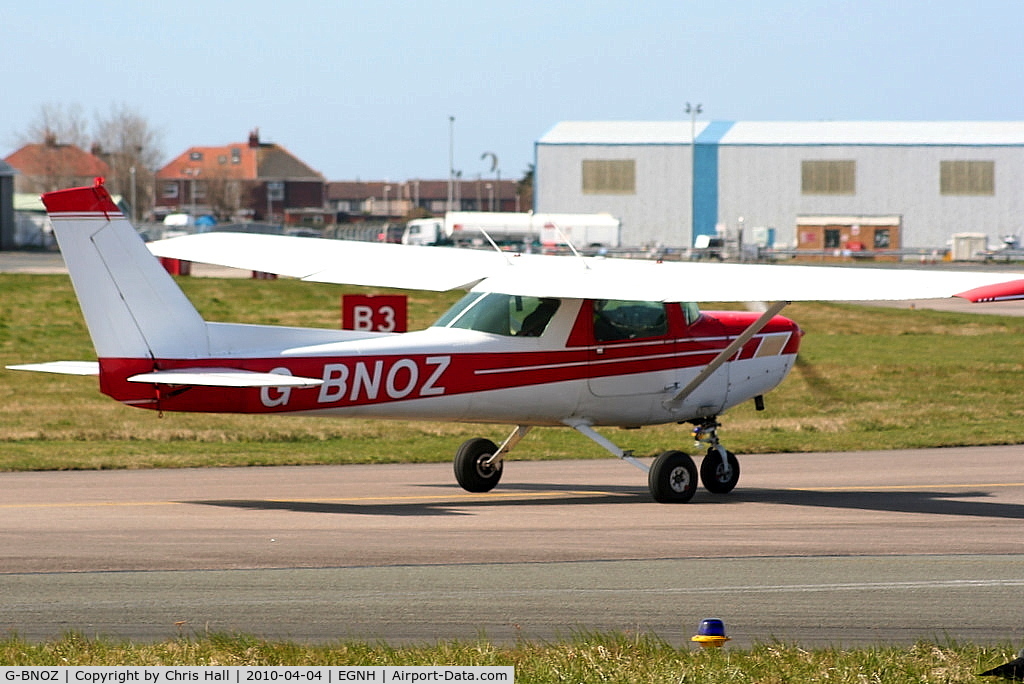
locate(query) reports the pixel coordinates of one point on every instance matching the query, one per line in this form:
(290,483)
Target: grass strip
(585,658)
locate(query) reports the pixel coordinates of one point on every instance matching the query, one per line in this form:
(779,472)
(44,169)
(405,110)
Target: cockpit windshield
(501,314)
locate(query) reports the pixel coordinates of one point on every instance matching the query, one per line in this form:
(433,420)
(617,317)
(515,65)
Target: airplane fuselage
(473,375)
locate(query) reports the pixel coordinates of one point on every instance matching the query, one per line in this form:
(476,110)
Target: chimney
(254,137)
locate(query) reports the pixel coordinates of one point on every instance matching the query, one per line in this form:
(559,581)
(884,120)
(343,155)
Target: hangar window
(823,177)
(609,176)
(967,177)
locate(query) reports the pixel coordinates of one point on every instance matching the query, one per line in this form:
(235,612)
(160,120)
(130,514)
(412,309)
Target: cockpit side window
(628,320)
(538,313)
(691,312)
(501,314)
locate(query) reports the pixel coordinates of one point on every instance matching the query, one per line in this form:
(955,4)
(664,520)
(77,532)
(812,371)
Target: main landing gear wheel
(472,471)
(672,478)
(719,477)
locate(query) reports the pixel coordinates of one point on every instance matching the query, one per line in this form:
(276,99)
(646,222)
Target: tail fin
(132,307)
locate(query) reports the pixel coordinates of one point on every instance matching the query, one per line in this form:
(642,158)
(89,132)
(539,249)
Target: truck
(516,229)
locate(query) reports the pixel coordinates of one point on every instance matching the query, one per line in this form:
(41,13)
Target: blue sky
(365,89)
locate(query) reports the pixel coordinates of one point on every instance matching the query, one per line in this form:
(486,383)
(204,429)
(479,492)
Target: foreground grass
(589,658)
(868,378)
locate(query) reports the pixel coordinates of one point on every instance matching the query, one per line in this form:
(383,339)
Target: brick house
(47,166)
(242,181)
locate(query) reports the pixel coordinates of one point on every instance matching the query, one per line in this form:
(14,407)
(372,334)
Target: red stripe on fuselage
(366,380)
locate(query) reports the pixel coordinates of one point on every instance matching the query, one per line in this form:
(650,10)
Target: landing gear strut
(719,470)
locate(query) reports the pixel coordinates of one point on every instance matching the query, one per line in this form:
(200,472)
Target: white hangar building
(805,185)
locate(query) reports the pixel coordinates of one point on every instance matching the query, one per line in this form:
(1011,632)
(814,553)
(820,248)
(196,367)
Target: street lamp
(693,111)
(192,173)
(451,161)
(135,214)
(497,182)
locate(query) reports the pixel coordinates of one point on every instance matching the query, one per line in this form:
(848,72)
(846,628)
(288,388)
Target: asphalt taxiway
(845,549)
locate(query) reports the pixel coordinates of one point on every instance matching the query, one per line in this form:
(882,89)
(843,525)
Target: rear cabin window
(616,319)
(501,314)
(691,312)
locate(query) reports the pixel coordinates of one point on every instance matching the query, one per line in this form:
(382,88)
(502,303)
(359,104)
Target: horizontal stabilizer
(62,367)
(223,377)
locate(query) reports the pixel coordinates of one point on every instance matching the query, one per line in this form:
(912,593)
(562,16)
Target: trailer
(515,229)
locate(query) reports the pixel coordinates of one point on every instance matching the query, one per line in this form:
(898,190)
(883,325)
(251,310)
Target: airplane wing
(441,268)
(336,261)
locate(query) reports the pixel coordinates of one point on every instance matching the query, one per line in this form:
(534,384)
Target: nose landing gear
(719,470)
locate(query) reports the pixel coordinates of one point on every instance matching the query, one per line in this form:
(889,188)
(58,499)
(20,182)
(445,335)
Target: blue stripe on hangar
(705,177)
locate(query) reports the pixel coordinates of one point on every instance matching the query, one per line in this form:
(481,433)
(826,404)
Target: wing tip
(1000,292)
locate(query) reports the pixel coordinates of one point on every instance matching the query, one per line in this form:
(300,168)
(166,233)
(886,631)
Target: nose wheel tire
(472,471)
(719,477)
(672,478)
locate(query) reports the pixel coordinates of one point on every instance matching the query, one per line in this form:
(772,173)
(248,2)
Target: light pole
(693,111)
(497,182)
(192,173)
(135,213)
(451,161)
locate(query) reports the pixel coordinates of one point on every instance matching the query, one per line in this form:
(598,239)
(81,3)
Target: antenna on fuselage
(495,246)
(568,243)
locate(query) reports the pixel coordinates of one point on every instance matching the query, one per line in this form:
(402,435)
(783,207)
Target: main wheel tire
(717,478)
(471,471)
(673,478)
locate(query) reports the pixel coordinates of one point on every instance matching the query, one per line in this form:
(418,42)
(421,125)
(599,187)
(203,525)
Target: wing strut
(725,354)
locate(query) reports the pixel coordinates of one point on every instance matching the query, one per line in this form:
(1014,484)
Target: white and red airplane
(536,341)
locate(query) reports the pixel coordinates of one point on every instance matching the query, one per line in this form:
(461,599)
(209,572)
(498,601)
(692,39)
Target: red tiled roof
(40,159)
(235,161)
(252,160)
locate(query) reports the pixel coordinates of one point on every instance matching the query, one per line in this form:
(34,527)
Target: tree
(123,139)
(131,148)
(524,188)
(56,123)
